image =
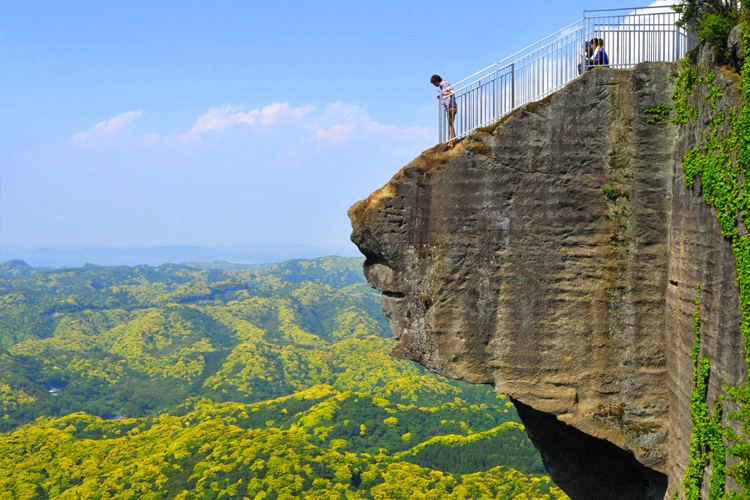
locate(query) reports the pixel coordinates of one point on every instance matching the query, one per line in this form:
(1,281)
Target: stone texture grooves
(502,262)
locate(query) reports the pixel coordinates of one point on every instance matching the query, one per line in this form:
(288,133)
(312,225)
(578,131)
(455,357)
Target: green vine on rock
(715,441)
(612,194)
(722,163)
(686,81)
(657,114)
(706,438)
(698,413)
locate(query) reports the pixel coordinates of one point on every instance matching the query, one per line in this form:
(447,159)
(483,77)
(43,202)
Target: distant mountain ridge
(157,255)
(15,268)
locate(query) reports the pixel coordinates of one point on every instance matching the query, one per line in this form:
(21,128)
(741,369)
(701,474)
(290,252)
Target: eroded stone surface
(503,262)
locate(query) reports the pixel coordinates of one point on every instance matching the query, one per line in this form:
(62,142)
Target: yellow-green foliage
(247,384)
(243,335)
(453,440)
(12,398)
(213,450)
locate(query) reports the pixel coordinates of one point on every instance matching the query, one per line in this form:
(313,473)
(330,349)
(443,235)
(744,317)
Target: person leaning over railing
(449,103)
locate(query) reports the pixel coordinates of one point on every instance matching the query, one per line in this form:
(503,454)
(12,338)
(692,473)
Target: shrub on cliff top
(712,20)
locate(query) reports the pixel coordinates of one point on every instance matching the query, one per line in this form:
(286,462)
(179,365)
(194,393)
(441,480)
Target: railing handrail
(540,41)
(518,52)
(668,7)
(549,64)
(475,74)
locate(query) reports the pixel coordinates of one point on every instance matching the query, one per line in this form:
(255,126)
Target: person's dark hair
(435,79)
(601,42)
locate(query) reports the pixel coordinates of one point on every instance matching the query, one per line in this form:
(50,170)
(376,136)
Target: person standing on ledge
(449,103)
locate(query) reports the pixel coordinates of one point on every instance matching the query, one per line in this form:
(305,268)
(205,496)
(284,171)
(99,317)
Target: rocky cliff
(556,255)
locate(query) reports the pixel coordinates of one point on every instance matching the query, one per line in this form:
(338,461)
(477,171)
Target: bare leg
(451,130)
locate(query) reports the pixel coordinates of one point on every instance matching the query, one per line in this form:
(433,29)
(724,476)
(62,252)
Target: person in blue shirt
(600,59)
(449,103)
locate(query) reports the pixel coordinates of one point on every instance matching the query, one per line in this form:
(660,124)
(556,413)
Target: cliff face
(502,261)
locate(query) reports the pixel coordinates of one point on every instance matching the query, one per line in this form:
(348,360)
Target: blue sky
(220,123)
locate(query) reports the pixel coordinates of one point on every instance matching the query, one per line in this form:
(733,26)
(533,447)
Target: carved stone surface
(503,262)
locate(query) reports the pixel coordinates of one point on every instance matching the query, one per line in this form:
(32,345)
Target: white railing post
(585,60)
(512,87)
(496,106)
(441,132)
(583,33)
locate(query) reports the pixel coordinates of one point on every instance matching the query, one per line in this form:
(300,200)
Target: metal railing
(631,36)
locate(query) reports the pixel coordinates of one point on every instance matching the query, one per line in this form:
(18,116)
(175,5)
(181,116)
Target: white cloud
(271,113)
(338,124)
(214,119)
(104,128)
(663,3)
(228,116)
(350,121)
(336,134)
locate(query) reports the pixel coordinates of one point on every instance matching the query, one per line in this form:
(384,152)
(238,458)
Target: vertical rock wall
(503,262)
(699,254)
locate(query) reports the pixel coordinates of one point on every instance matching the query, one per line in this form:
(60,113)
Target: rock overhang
(502,261)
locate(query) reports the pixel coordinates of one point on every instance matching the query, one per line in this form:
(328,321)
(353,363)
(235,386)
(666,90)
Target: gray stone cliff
(501,261)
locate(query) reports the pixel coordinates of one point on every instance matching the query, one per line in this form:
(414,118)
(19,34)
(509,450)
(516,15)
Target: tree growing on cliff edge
(712,20)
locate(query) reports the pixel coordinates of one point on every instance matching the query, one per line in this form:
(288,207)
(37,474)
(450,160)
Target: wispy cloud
(228,116)
(343,122)
(663,3)
(335,134)
(336,125)
(373,127)
(271,113)
(103,129)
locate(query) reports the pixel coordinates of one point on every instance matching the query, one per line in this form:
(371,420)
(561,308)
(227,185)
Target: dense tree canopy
(182,382)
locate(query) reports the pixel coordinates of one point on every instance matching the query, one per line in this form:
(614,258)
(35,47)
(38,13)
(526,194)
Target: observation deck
(631,36)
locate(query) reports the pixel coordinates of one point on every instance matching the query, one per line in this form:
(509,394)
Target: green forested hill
(266,383)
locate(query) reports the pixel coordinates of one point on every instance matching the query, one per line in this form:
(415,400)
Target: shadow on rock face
(585,467)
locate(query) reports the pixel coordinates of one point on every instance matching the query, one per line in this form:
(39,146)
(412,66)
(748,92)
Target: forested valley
(211,381)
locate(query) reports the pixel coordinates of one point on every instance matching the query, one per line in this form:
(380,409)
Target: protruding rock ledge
(503,262)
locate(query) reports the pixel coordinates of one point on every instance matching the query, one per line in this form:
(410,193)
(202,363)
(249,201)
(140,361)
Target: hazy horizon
(77,256)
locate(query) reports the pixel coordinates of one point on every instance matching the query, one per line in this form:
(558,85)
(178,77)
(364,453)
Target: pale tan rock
(504,263)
